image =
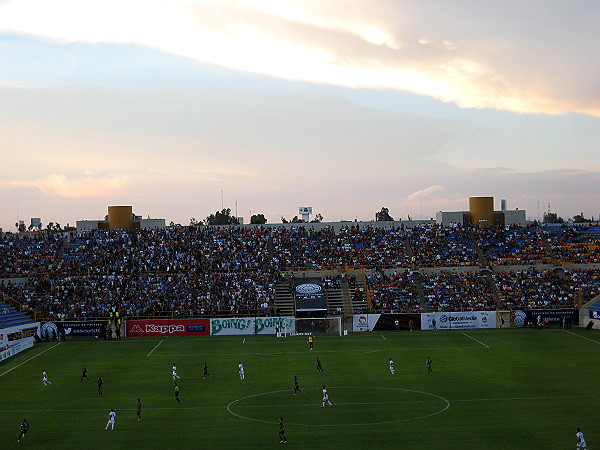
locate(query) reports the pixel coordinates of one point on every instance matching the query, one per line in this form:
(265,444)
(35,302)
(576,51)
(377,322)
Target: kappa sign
(167,327)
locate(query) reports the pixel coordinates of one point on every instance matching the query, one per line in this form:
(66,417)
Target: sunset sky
(178,107)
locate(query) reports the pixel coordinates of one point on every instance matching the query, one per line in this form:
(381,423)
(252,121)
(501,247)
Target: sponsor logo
(164,329)
(362,320)
(48,328)
(136,329)
(308,288)
(444,318)
(520,317)
(196,328)
(484,319)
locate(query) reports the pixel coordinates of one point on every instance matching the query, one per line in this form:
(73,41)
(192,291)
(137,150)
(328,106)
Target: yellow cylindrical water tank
(120,217)
(482,211)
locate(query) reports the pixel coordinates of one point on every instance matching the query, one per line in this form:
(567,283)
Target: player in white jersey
(175,376)
(45,378)
(392,370)
(111,419)
(241,371)
(325,397)
(580,439)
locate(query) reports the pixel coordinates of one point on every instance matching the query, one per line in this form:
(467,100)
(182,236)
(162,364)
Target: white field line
(18,365)
(384,337)
(244,341)
(476,340)
(154,348)
(583,337)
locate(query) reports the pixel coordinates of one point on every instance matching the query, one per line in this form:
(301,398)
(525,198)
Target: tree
(552,218)
(258,218)
(222,217)
(194,222)
(296,219)
(284,220)
(580,219)
(318,218)
(384,215)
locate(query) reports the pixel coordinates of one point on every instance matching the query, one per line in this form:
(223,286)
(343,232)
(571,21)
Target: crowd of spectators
(393,293)
(547,289)
(447,291)
(213,270)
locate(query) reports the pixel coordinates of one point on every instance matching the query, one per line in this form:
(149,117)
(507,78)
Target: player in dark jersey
(429,363)
(100,383)
(206,374)
(139,410)
(24,429)
(177,393)
(296,385)
(282,438)
(319,367)
(84,374)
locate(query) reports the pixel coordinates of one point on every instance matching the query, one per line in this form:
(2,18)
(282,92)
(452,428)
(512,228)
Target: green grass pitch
(505,389)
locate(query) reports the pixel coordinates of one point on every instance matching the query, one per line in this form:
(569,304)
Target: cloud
(411,46)
(426,192)
(81,187)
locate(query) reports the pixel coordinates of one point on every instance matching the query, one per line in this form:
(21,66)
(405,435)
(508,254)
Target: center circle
(352,406)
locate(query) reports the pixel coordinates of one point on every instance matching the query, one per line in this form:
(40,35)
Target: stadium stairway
(335,298)
(284,299)
(480,256)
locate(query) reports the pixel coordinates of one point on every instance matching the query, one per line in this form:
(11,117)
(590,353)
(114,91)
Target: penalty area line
(476,340)
(384,337)
(154,348)
(19,365)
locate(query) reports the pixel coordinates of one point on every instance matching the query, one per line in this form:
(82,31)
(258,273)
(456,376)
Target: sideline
(19,365)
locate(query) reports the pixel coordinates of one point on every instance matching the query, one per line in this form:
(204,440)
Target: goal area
(312,325)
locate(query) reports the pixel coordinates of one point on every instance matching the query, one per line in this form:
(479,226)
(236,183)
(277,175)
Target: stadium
(491,329)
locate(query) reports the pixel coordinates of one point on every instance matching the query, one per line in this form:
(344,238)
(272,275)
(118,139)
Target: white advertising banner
(16,339)
(364,322)
(458,320)
(251,325)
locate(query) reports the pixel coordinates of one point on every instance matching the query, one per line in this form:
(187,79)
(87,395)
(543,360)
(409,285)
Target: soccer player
(310,342)
(24,429)
(139,410)
(206,374)
(84,374)
(45,378)
(580,439)
(325,398)
(429,363)
(177,393)
(392,370)
(100,383)
(112,415)
(241,371)
(296,385)
(175,376)
(282,438)
(319,367)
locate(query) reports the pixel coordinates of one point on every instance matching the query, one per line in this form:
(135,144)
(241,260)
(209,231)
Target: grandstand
(236,270)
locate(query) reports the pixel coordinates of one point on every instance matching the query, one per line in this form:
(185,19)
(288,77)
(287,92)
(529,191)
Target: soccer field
(505,389)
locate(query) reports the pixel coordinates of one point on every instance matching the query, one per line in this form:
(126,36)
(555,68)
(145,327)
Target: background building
(481,213)
(120,217)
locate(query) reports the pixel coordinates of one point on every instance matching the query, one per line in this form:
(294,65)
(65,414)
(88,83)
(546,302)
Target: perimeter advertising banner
(16,339)
(167,327)
(458,320)
(74,328)
(555,317)
(309,294)
(364,322)
(245,325)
